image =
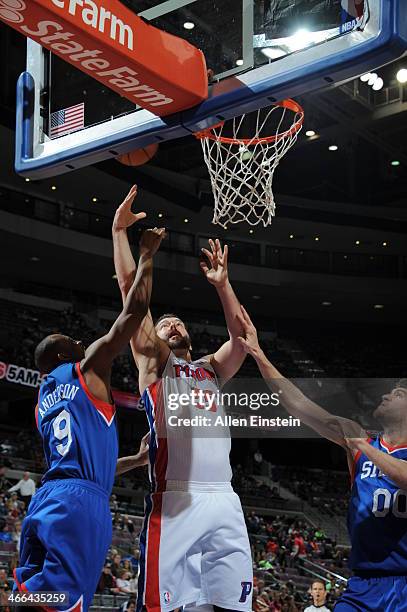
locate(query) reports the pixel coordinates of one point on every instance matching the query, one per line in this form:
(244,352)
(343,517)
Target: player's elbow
(140,309)
(125,285)
(137,302)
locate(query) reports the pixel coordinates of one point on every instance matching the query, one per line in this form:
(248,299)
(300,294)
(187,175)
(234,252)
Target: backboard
(257,52)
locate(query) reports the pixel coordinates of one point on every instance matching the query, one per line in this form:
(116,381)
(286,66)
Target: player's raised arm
(148,350)
(99,356)
(124,262)
(334,428)
(229,358)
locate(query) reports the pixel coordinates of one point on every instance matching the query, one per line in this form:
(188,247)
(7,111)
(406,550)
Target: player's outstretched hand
(217,273)
(124,216)
(249,341)
(354,434)
(144,449)
(150,241)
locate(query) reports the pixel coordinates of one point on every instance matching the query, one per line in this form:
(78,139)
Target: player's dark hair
(168,315)
(46,353)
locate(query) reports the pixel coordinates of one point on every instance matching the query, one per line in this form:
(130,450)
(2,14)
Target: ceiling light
(365,77)
(34,258)
(316,238)
(395,163)
(53,187)
(402,76)
(114,277)
(384,243)
(273,52)
(160,215)
(189,25)
(256,297)
(378,84)
(326,303)
(310,133)
(378,306)
(251,231)
(27,180)
(372,78)
(239,62)
(357,242)
(94,199)
(186,288)
(186,220)
(333,148)
(291,236)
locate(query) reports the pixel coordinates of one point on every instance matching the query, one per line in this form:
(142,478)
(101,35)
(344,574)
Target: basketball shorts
(64,541)
(194,549)
(385,594)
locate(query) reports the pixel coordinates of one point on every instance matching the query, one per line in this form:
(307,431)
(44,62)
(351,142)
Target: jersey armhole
(353,463)
(208,359)
(106,410)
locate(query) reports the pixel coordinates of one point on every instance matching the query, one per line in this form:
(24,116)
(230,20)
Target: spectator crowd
(281,546)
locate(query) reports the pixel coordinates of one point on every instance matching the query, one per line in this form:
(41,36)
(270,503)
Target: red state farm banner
(158,71)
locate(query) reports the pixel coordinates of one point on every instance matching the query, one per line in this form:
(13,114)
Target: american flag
(67,120)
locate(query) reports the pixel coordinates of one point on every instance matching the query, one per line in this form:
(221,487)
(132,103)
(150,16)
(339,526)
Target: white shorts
(194,549)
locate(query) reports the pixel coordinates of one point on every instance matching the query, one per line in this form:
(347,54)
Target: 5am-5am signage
(19,375)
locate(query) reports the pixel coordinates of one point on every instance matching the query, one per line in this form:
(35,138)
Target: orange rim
(289,104)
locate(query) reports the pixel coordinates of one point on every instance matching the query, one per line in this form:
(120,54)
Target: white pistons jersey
(194,547)
(189,441)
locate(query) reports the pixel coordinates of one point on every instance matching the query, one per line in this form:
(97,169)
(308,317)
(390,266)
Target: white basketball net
(242,169)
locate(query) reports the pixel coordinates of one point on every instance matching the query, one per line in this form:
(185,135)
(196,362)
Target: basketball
(139,157)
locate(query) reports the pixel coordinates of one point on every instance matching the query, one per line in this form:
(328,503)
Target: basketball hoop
(241,167)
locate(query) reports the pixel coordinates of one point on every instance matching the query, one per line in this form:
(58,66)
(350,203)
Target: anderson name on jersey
(78,430)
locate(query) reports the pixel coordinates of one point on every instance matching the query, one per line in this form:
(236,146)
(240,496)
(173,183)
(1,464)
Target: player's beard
(179,342)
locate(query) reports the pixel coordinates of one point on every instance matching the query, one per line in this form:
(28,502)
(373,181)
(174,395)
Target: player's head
(173,331)
(393,407)
(318,592)
(56,349)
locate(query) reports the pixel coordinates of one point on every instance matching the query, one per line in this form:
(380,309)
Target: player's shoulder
(398,449)
(204,360)
(63,369)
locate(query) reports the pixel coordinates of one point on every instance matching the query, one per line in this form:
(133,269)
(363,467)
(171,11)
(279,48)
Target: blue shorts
(385,594)
(64,541)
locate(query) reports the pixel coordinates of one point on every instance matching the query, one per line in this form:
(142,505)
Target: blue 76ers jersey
(377,518)
(78,430)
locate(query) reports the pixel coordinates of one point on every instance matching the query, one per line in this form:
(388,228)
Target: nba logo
(167,597)
(246,590)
